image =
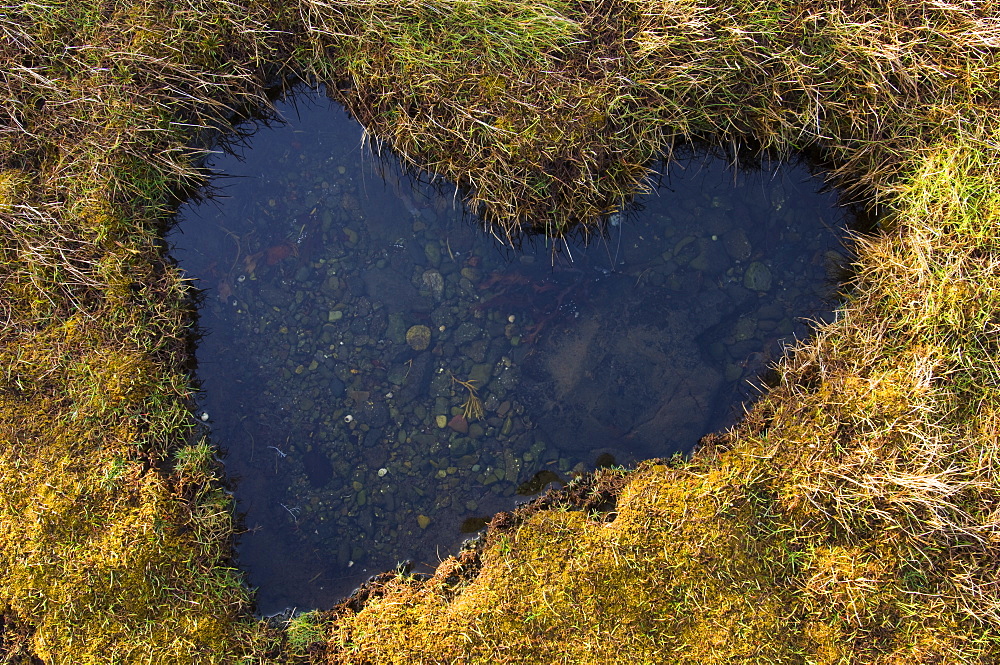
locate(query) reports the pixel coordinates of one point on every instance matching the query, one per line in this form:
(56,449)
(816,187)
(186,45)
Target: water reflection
(383,374)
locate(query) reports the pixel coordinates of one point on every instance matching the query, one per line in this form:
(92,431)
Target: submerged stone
(433,253)
(434,282)
(418,337)
(757,277)
(459,424)
(737,245)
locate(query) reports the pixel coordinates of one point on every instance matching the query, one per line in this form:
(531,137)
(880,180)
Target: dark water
(327,272)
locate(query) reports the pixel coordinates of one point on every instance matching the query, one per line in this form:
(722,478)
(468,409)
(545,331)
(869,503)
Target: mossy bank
(850,518)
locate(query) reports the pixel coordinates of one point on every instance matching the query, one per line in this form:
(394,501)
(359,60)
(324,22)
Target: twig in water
(292,511)
(473,407)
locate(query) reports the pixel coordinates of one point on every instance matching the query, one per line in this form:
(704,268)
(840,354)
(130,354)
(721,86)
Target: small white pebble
(511,318)
(348,418)
(204,416)
(382,472)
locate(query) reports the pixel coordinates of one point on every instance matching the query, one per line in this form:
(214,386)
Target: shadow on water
(383,375)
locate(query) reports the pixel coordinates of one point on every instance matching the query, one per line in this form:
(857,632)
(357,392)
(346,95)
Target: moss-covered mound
(851,518)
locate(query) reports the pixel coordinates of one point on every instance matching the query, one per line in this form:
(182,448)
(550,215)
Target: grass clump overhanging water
(850,518)
(568,135)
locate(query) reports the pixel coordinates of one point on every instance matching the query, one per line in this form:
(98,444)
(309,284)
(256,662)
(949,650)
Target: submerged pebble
(433,282)
(418,337)
(757,277)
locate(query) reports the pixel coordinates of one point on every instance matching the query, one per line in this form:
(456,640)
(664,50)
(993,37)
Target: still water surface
(380,371)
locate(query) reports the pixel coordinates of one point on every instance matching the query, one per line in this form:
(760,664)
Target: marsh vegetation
(850,518)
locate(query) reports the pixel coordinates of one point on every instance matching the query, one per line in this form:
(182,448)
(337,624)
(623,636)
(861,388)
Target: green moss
(669,577)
